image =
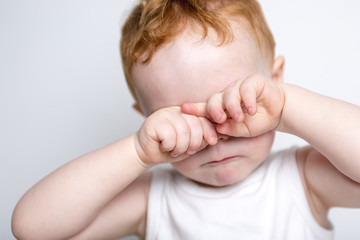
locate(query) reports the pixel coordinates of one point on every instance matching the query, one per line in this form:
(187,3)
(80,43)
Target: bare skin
(103,194)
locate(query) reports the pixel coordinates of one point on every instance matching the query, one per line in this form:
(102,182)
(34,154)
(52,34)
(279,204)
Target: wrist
(283,125)
(293,110)
(141,157)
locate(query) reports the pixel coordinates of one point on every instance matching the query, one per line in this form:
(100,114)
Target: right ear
(138,108)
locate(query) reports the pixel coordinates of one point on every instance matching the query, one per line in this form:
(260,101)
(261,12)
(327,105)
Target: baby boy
(205,76)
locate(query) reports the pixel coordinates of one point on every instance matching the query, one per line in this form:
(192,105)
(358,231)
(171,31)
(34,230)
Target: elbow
(21,229)
(27,225)
(25,228)
(18,229)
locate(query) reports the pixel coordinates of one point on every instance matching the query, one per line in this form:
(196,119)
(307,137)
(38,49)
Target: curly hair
(153,23)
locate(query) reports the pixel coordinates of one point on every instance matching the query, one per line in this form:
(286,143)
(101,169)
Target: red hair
(153,23)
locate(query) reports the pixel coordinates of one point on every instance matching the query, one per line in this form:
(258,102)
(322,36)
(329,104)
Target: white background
(62,90)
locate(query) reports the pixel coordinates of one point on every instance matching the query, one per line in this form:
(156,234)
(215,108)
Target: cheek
(262,144)
(186,166)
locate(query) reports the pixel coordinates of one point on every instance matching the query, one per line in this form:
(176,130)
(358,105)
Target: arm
(100,195)
(331,166)
(331,126)
(66,201)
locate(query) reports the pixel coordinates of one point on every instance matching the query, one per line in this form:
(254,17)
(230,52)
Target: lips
(222,152)
(217,162)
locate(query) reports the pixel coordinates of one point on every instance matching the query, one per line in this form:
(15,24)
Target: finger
(196,109)
(182,135)
(232,128)
(166,136)
(210,135)
(250,89)
(209,132)
(196,133)
(215,108)
(232,102)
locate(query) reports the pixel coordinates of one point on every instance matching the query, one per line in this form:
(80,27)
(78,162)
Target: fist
(245,108)
(169,135)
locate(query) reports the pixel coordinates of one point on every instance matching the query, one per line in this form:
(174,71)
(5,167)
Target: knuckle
(167,145)
(184,132)
(215,99)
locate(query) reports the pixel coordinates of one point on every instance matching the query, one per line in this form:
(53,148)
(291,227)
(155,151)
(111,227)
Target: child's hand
(245,108)
(168,135)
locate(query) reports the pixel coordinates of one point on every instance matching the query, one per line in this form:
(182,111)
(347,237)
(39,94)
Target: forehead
(190,69)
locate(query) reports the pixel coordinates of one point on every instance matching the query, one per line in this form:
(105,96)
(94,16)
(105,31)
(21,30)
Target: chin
(227,176)
(224,176)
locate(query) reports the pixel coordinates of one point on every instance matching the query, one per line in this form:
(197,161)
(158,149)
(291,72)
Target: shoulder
(311,166)
(324,185)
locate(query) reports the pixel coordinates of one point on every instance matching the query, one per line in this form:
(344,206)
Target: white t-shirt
(269,204)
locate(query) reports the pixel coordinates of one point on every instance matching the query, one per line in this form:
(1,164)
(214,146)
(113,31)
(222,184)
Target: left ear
(278,69)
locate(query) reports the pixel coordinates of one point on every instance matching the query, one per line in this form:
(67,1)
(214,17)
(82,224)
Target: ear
(138,108)
(278,69)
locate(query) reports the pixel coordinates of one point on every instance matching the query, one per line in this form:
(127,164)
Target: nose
(219,135)
(223,136)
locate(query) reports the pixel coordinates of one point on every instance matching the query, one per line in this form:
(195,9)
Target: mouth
(218,162)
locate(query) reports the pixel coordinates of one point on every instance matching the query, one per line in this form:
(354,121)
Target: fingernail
(236,116)
(213,139)
(218,116)
(175,155)
(191,152)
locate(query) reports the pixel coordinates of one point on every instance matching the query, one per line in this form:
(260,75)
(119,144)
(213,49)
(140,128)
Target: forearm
(331,126)
(67,200)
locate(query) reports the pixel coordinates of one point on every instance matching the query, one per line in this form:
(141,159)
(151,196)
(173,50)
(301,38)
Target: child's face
(190,69)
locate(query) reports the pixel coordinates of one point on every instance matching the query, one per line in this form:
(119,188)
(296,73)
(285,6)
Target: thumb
(196,109)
